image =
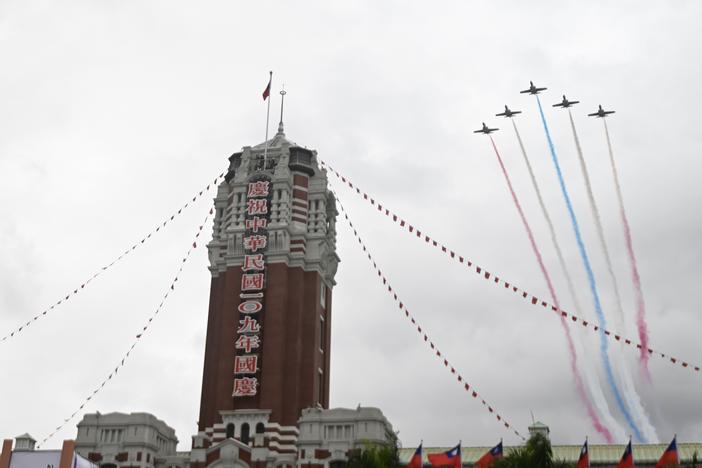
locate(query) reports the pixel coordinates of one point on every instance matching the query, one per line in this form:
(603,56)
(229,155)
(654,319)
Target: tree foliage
(537,453)
(376,456)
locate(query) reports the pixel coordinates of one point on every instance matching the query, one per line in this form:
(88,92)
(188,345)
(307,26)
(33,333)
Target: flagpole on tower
(282,101)
(266,95)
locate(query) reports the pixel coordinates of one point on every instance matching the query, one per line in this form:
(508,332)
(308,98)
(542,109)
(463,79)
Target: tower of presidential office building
(273,261)
(265,384)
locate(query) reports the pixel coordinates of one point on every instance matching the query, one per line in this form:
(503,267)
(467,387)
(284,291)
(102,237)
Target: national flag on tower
(416,460)
(450,458)
(670,456)
(584,459)
(267,91)
(627,460)
(491,455)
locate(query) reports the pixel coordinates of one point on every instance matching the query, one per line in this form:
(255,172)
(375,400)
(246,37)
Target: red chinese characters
(254,262)
(254,243)
(246,386)
(258,189)
(256,223)
(246,364)
(250,307)
(256,206)
(248,342)
(253,282)
(248,325)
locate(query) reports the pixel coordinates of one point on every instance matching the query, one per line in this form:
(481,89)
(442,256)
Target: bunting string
(508,286)
(102,270)
(470,389)
(137,337)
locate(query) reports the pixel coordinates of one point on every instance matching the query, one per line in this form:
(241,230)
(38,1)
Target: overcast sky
(115,113)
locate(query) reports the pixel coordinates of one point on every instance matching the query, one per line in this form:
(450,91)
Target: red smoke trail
(579,385)
(635,278)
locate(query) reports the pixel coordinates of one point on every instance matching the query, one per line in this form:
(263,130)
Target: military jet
(565,103)
(532,89)
(486,130)
(508,113)
(600,112)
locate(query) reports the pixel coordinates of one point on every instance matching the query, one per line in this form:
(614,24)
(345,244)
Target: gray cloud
(114,114)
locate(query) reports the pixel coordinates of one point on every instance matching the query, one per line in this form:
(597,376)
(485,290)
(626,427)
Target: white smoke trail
(635,278)
(633,399)
(592,381)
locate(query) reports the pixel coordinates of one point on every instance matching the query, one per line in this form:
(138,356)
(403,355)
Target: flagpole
(268,114)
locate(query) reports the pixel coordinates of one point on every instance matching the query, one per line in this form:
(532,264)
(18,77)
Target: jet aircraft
(532,89)
(508,113)
(486,130)
(565,103)
(600,112)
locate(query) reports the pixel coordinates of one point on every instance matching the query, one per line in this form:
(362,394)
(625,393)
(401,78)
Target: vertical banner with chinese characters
(253,285)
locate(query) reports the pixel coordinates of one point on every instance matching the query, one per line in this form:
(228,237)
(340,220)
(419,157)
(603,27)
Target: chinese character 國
(246,364)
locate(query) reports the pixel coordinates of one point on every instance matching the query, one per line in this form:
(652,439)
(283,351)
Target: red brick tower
(273,261)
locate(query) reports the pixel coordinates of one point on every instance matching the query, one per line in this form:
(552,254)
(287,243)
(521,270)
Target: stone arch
(245,433)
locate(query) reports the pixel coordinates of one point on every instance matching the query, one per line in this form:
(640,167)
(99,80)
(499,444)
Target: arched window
(230,431)
(245,433)
(260,428)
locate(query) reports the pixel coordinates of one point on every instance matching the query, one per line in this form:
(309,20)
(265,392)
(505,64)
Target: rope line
(423,334)
(99,272)
(137,337)
(507,285)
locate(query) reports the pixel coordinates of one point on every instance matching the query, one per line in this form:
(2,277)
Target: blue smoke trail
(604,344)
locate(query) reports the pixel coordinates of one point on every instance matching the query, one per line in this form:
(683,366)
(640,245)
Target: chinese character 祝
(257,206)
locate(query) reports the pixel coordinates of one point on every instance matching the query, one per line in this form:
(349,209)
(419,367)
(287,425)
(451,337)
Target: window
(322,334)
(245,433)
(323,295)
(230,430)
(320,388)
(260,428)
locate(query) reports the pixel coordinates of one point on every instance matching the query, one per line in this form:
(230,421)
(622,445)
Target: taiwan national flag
(452,458)
(416,460)
(670,456)
(584,459)
(627,460)
(267,91)
(494,453)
